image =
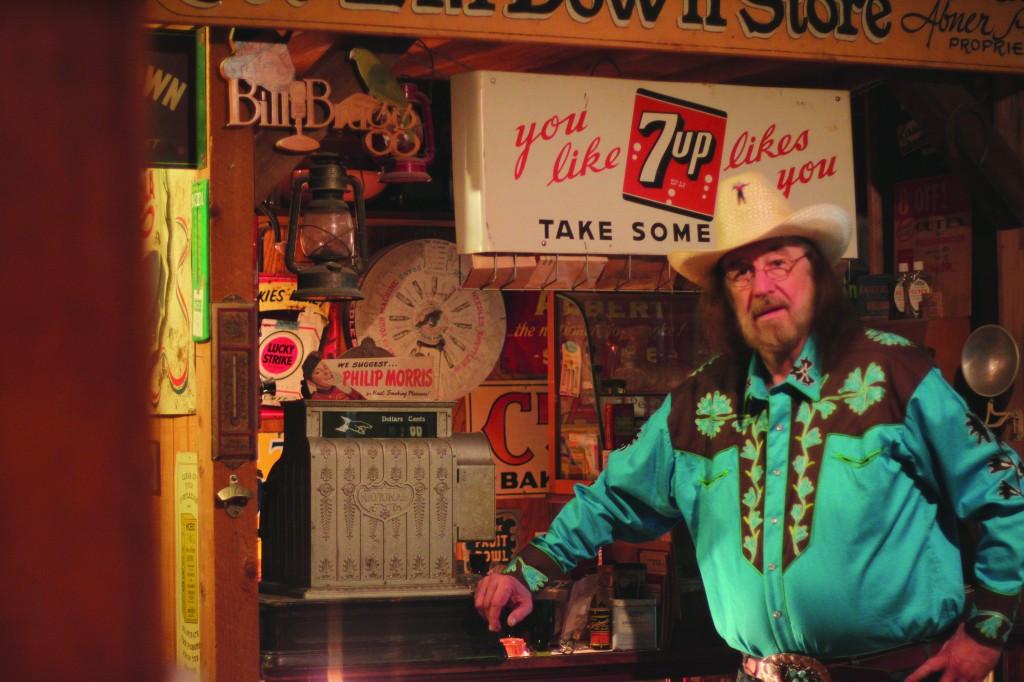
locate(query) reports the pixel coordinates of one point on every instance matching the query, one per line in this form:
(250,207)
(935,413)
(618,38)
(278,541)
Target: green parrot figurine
(381,84)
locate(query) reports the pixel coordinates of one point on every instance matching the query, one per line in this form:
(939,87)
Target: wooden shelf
(405,220)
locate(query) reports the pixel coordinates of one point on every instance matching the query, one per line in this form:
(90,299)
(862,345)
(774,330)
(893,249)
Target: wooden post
(230,615)
(873,244)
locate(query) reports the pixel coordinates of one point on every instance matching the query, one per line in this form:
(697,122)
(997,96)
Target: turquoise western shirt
(823,509)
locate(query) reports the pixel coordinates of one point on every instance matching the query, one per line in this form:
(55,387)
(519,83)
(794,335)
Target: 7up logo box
(674,155)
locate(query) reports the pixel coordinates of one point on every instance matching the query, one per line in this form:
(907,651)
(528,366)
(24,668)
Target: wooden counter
(435,639)
(604,666)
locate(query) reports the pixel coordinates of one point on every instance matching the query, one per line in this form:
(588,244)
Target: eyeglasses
(741,276)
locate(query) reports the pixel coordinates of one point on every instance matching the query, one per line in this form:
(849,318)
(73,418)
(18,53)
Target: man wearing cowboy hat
(820,467)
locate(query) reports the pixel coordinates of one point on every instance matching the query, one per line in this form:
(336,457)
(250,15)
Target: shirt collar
(805,376)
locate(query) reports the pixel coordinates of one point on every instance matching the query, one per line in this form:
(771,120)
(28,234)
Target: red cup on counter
(514,646)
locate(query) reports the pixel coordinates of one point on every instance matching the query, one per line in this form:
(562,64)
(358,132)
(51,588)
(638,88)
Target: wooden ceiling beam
(450,57)
(582,63)
(307,47)
(727,70)
(453,56)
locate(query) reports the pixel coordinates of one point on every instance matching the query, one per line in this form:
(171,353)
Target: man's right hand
(494,592)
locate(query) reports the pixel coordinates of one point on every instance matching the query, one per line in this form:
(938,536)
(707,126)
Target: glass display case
(615,358)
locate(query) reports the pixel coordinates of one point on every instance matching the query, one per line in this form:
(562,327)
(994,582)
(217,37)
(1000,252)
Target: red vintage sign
(675,154)
(514,417)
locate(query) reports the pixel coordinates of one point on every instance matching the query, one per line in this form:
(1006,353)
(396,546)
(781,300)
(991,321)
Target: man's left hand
(961,659)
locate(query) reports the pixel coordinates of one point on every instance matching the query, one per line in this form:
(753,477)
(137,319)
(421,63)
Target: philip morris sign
(600,166)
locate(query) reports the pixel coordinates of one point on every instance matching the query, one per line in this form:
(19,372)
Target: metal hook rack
(554,276)
(565,272)
(494,273)
(629,273)
(515,270)
(584,273)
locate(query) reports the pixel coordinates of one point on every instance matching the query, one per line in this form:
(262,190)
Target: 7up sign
(674,154)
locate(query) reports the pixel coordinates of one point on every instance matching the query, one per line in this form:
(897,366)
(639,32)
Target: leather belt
(783,667)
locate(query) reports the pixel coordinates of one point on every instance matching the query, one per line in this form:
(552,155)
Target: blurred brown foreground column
(76,534)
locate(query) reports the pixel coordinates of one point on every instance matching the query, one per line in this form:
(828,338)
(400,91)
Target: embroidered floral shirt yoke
(823,509)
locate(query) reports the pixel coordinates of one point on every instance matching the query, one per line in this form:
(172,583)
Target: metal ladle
(990,360)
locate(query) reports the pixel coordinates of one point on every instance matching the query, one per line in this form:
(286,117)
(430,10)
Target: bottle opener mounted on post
(234,496)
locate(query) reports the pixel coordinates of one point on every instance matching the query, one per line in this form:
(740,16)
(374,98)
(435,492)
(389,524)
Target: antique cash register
(370,499)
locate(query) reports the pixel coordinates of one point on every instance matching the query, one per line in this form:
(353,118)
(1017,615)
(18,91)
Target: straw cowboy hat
(749,209)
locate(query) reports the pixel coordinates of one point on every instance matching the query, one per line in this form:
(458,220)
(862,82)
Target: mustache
(766,305)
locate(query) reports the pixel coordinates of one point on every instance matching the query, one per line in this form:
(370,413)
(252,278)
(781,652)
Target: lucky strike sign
(598,166)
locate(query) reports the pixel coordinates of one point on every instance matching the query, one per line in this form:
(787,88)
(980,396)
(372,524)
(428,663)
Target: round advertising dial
(415,305)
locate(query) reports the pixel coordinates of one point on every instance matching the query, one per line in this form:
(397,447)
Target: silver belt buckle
(794,668)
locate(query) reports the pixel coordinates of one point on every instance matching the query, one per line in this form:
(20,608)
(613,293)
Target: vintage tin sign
(677,168)
(958,34)
(600,167)
(394,378)
(514,417)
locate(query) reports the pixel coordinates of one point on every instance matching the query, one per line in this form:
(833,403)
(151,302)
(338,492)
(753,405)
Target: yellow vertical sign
(186,559)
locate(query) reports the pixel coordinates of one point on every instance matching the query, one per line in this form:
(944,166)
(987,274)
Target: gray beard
(773,340)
